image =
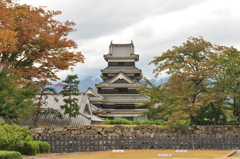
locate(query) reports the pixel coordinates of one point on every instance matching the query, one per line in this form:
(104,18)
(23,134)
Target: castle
(117,96)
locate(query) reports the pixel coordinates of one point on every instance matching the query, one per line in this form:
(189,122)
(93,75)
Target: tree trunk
(70,119)
(235,110)
(70,114)
(216,114)
(193,121)
(38,110)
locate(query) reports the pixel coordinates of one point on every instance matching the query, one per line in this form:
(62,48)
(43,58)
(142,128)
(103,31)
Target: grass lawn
(152,154)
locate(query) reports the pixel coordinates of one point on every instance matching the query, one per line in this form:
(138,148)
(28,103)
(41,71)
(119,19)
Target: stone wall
(133,130)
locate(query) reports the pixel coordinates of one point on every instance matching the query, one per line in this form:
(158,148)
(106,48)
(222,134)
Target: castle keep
(117,95)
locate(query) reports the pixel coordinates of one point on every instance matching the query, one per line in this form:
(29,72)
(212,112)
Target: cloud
(154,26)
(96,18)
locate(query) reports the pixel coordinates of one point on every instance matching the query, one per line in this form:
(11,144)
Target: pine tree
(45,90)
(70,90)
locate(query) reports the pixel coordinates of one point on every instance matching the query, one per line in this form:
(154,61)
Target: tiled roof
(124,69)
(120,85)
(122,51)
(94,93)
(85,118)
(96,109)
(127,110)
(50,120)
(125,98)
(120,75)
(96,99)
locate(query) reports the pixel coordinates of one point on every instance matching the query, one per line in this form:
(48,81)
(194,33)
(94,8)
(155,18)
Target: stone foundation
(127,130)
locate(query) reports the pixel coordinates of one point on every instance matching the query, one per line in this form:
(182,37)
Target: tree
(7,33)
(15,98)
(155,94)
(43,93)
(71,91)
(33,43)
(33,46)
(190,67)
(229,79)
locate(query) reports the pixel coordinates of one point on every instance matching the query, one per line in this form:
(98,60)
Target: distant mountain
(159,81)
(90,81)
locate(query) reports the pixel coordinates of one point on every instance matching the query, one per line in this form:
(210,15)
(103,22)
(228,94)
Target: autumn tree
(33,46)
(190,67)
(70,91)
(33,43)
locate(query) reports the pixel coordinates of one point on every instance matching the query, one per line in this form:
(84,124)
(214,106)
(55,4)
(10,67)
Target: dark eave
(124,69)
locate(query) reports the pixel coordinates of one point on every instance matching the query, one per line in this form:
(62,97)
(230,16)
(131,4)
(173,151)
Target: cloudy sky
(153,25)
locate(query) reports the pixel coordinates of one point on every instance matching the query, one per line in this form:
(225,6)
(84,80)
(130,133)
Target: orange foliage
(34,44)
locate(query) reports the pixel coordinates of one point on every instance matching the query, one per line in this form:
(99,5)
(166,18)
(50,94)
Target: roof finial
(111,42)
(131,42)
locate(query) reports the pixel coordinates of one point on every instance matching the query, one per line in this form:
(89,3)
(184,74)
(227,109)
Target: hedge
(10,155)
(135,122)
(44,147)
(34,148)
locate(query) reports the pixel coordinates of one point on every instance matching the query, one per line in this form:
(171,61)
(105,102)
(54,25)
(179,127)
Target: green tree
(71,91)
(155,94)
(229,79)
(43,94)
(190,67)
(15,98)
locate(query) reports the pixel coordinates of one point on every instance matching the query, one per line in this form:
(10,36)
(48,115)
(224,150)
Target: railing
(104,143)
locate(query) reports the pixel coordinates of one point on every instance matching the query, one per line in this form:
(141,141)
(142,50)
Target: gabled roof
(121,51)
(94,96)
(85,104)
(96,109)
(105,84)
(91,91)
(120,75)
(124,69)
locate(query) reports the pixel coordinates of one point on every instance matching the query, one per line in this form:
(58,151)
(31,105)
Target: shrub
(107,121)
(160,122)
(44,147)
(117,121)
(184,122)
(29,148)
(34,147)
(10,155)
(13,136)
(135,122)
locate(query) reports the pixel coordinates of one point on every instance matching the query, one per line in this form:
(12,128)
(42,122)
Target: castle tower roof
(121,52)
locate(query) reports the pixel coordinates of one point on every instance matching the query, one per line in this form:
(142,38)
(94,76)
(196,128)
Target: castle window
(121,64)
(121,90)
